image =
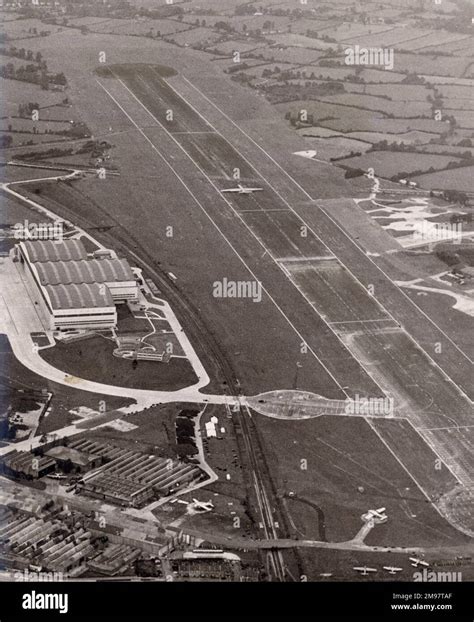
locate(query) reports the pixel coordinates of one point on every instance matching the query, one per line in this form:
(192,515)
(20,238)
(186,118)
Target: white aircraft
(203,506)
(242,190)
(364,570)
(392,569)
(380,514)
(416,561)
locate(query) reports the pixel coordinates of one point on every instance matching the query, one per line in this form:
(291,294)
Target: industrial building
(23,464)
(73,460)
(114,560)
(131,478)
(58,541)
(74,289)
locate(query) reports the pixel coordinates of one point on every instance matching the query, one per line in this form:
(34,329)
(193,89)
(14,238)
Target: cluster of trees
(26,110)
(36,74)
(384,145)
(314,35)
(279,93)
(185,440)
(22,53)
(53,152)
(455,196)
(5,141)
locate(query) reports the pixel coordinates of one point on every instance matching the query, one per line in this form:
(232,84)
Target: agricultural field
(293,40)
(138,27)
(196,36)
(289,55)
(407,138)
(347,119)
(380,104)
(346,32)
(385,37)
(229,47)
(337,147)
(459,178)
(387,164)
(13,92)
(21,29)
(396,92)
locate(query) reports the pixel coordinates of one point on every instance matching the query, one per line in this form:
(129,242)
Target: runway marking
(335,223)
(229,243)
(430,444)
(452,427)
(370,423)
(286,272)
(362,321)
(303,259)
(261,211)
(194,132)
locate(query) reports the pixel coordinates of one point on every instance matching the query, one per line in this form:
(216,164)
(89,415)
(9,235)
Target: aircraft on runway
(416,561)
(379,514)
(392,569)
(364,570)
(242,190)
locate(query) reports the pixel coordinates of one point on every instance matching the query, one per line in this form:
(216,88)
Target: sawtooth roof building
(73,289)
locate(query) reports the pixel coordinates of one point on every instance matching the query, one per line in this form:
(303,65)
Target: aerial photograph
(236,307)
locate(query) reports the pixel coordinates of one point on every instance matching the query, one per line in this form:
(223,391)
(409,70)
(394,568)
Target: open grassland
(13,211)
(93,360)
(15,376)
(324,461)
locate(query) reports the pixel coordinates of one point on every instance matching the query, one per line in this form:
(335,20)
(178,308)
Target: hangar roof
(49,250)
(79,296)
(84,271)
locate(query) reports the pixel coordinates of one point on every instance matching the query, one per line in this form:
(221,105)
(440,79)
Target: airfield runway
(367,336)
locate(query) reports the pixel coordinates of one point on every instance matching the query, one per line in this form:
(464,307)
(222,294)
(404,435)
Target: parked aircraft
(364,570)
(392,569)
(242,190)
(416,561)
(378,514)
